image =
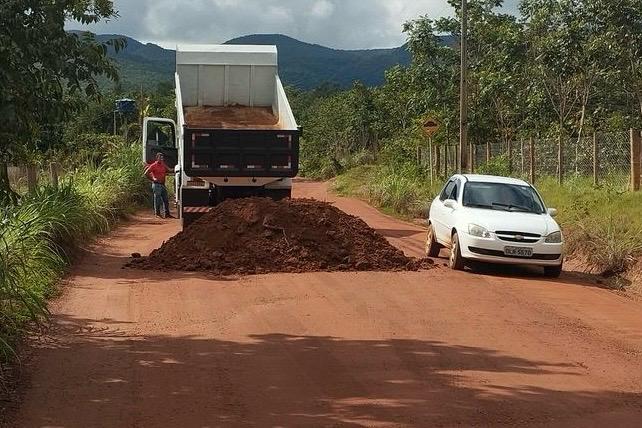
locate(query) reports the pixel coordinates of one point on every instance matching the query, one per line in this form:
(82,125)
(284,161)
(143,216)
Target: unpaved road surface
(504,347)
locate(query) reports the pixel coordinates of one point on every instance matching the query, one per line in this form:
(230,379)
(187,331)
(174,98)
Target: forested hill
(303,65)
(307,66)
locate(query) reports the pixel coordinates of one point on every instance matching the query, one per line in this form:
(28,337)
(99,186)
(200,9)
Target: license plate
(518,251)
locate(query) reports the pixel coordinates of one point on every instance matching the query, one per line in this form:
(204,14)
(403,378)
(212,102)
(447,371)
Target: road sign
(430,126)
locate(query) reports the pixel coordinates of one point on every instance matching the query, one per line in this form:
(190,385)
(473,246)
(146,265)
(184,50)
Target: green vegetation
(603,225)
(53,112)
(44,69)
(406,193)
(41,233)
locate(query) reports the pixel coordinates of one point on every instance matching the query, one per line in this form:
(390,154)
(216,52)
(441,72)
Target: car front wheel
(432,247)
(456,261)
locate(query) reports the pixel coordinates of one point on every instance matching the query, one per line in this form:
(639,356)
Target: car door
(449,213)
(439,213)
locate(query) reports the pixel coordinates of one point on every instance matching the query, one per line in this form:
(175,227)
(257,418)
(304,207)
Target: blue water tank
(125,106)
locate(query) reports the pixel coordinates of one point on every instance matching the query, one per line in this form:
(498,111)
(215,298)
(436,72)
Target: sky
(341,24)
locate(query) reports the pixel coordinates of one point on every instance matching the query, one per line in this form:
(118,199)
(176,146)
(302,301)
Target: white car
(497,220)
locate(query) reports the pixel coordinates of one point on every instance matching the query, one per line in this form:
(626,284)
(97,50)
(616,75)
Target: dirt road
(140,349)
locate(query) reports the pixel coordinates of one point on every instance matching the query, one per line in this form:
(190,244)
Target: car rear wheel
(432,247)
(456,261)
(553,271)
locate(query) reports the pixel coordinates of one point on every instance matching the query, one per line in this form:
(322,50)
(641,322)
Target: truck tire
(189,218)
(278,194)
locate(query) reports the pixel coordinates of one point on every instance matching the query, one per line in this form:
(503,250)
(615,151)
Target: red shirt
(156,171)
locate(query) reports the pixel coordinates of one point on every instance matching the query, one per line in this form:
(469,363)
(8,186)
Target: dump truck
(234,135)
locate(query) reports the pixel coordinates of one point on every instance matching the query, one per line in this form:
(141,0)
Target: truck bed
(231,117)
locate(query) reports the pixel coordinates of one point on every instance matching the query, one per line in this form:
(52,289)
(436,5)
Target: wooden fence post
(509,148)
(431,161)
(596,162)
(472,158)
(560,159)
(32,178)
(635,159)
(488,151)
(521,151)
(532,160)
(446,161)
(53,173)
(457,158)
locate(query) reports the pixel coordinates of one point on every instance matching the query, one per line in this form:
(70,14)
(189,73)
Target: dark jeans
(160,198)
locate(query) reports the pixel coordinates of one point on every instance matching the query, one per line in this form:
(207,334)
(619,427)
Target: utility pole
(463,91)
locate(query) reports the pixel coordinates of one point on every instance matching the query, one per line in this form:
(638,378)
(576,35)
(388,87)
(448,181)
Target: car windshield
(501,196)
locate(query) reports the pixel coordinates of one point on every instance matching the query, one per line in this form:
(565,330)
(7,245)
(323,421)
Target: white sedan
(497,220)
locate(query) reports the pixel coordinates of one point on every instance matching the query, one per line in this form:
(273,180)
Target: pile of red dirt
(259,235)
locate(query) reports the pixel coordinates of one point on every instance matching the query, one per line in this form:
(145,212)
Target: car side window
(447,190)
(455,191)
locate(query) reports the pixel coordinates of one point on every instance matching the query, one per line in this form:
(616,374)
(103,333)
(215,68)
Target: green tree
(619,23)
(43,66)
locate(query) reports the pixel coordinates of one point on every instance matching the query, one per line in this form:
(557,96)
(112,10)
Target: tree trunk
(7,195)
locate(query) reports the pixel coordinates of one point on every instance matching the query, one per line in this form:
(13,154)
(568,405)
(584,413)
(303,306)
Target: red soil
(258,235)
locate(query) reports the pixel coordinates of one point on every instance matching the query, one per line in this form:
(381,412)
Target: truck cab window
(161,134)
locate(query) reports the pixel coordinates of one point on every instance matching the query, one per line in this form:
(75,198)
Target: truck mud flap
(190,214)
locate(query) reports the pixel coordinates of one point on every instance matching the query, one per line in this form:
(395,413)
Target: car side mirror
(450,203)
(552,212)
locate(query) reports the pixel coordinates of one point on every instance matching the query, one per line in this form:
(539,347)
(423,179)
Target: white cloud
(345,24)
(322,9)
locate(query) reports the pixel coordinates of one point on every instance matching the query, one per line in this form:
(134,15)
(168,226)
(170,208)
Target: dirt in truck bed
(231,117)
(259,235)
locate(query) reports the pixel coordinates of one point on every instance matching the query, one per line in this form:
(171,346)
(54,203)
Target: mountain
(306,65)
(301,64)
(141,64)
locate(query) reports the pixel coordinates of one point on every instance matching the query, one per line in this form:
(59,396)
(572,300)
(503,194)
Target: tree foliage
(564,66)
(43,67)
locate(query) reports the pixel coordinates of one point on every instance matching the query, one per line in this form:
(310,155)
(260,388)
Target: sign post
(430,127)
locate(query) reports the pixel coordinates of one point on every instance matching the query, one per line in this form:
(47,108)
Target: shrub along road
(144,349)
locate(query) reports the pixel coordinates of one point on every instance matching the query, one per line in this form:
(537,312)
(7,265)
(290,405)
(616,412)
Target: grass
(40,234)
(602,225)
(404,191)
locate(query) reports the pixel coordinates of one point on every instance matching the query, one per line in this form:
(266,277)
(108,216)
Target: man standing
(156,172)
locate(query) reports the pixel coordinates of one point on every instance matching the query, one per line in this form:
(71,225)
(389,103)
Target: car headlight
(554,238)
(479,231)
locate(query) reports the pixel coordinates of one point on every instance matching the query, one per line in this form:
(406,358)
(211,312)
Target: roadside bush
(404,189)
(39,234)
(603,225)
(498,165)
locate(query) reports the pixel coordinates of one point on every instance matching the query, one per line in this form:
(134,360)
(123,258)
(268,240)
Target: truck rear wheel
(278,194)
(189,218)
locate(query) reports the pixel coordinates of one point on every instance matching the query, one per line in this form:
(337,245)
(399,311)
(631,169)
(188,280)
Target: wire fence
(27,177)
(605,158)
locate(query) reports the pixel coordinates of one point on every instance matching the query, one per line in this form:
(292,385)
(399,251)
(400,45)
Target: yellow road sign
(430,126)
